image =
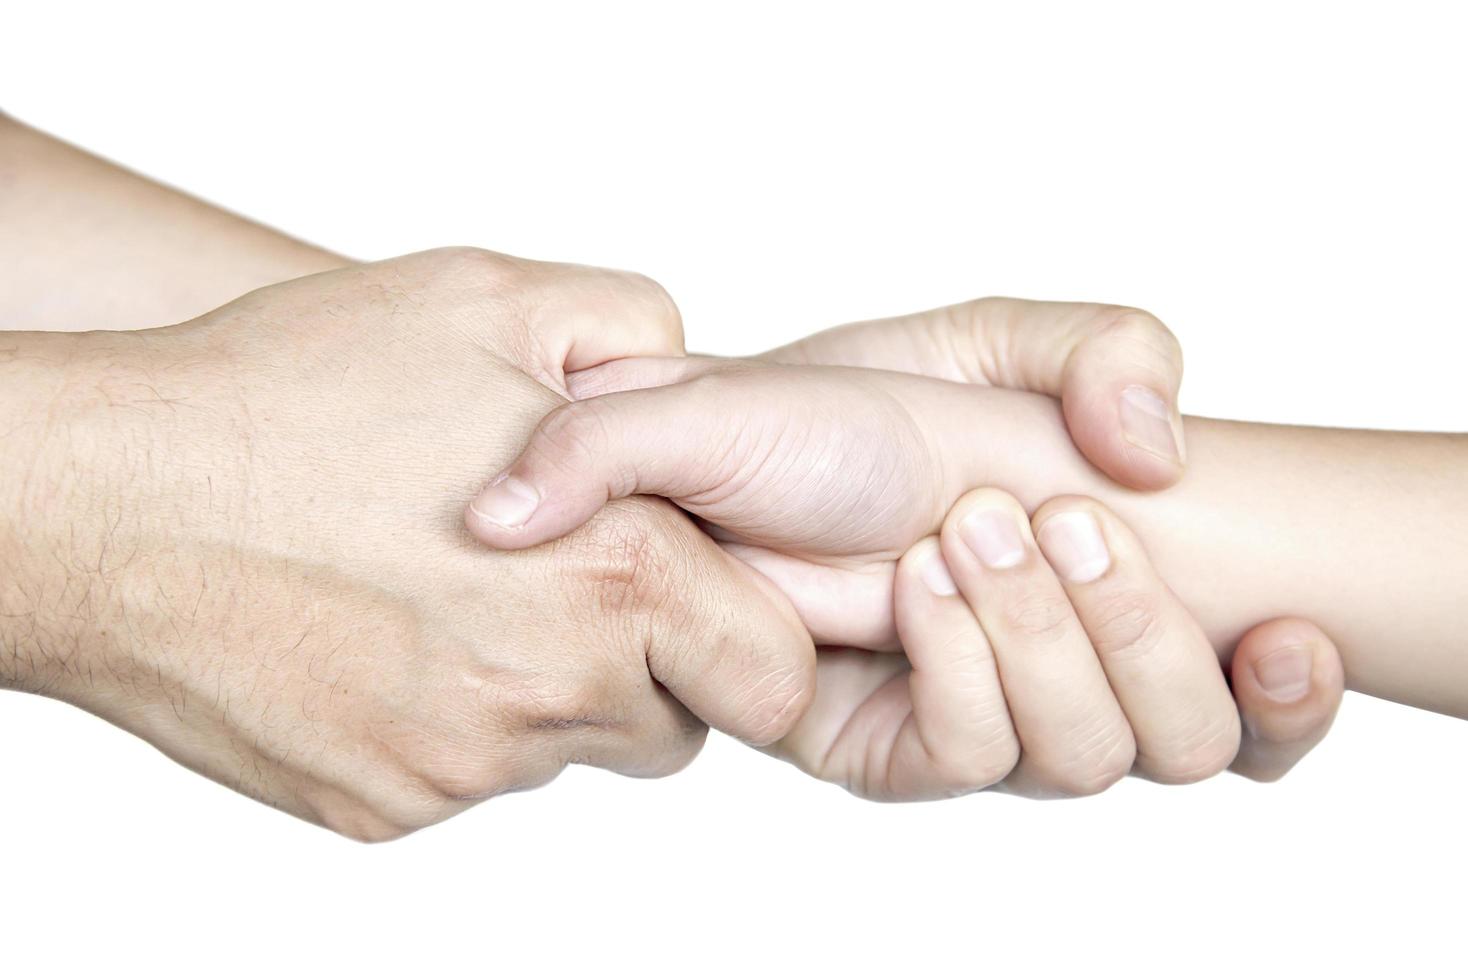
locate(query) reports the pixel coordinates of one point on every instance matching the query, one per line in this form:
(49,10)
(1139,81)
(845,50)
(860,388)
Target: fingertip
(978,501)
(1288,680)
(1097,426)
(489,531)
(922,572)
(986,528)
(1120,400)
(1098,545)
(1072,533)
(512,513)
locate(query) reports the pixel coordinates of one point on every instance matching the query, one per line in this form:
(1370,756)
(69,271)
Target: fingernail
(994,537)
(934,571)
(1284,675)
(1147,423)
(507,501)
(1073,545)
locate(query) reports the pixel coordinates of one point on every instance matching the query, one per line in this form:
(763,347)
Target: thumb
(1115,369)
(1288,681)
(676,440)
(1118,387)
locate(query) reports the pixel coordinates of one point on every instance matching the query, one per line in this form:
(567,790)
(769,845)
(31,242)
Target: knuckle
(369,830)
(463,780)
(627,555)
(573,434)
(496,736)
(674,751)
(1126,626)
(1086,781)
(1130,325)
(1099,767)
(975,771)
(583,700)
(473,290)
(477,765)
(775,700)
(1038,615)
(475,265)
(1194,758)
(971,315)
(642,562)
(652,300)
(353,818)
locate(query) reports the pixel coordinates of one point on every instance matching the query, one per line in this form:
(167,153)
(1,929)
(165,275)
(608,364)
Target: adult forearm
(1365,533)
(43,588)
(147,254)
(94,442)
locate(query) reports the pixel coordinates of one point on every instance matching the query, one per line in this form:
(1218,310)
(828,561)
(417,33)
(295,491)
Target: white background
(1283,184)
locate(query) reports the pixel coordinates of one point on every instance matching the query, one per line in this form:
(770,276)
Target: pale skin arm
(148,254)
(1366,534)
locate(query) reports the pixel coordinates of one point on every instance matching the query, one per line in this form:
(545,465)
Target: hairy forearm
(88,423)
(146,254)
(38,650)
(1365,533)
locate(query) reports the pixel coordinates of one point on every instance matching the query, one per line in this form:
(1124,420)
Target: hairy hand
(241,540)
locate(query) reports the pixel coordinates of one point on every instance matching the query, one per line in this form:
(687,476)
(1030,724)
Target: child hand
(820,477)
(1051,663)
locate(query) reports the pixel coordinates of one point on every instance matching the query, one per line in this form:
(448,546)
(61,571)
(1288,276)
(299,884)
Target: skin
(238,539)
(151,254)
(824,477)
(1086,355)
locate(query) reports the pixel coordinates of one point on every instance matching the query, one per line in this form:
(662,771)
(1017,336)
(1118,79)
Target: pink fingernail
(994,537)
(934,571)
(508,501)
(1284,675)
(1147,423)
(1074,547)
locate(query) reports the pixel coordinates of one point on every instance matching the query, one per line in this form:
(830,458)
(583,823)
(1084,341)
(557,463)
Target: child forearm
(1365,533)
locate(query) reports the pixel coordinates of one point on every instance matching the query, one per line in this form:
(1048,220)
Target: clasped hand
(966,643)
(263,568)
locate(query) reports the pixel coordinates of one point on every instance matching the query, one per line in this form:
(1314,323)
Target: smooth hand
(1115,369)
(1044,657)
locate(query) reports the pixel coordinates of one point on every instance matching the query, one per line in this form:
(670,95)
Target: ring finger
(1160,664)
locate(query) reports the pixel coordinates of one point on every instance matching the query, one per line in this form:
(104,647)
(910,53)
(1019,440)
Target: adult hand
(239,539)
